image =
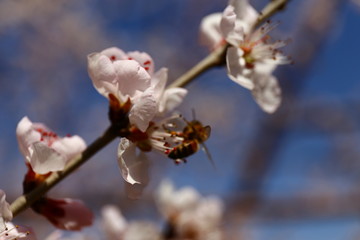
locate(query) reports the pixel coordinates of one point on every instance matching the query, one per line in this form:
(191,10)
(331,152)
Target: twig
(270,10)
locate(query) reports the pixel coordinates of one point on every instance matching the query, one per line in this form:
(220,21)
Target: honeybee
(194,135)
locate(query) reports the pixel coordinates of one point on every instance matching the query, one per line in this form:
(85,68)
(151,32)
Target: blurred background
(290,175)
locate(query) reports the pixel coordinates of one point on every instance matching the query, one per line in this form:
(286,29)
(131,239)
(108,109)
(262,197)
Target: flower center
(47,136)
(12,233)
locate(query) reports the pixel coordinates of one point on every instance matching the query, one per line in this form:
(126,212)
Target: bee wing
(207,132)
(207,152)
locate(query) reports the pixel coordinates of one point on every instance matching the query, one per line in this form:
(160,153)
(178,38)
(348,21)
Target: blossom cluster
(141,113)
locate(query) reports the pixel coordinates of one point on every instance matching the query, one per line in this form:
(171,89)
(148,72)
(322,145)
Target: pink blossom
(131,76)
(43,149)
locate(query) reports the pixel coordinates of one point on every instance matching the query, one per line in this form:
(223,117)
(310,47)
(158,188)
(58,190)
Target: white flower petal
(126,159)
(131,77)
(210,33)
(114,54)
(144,110)
(26,135)
(44,159)
(231,27)
(101,71)
(245,12)
(172,203)
(113,222)
(158,81)
(142,231)
(267,92)
(139,167)
(144,60)
(209,213)
(265,67)
(172,98)
(236,69)
(228,19)
(69,146)
(5,212)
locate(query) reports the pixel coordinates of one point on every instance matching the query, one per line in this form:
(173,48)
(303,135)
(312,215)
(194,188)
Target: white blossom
(191,215)
(116,227)
(43,149)
(251,57)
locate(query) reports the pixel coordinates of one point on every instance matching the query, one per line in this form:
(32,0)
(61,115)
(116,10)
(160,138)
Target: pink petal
(267,92)
(210,33)
(67,214)
(235,68)
(102,72)
(68,147)
(114,54)
(144,60)
(131,77)
(144,110)
(171,98)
